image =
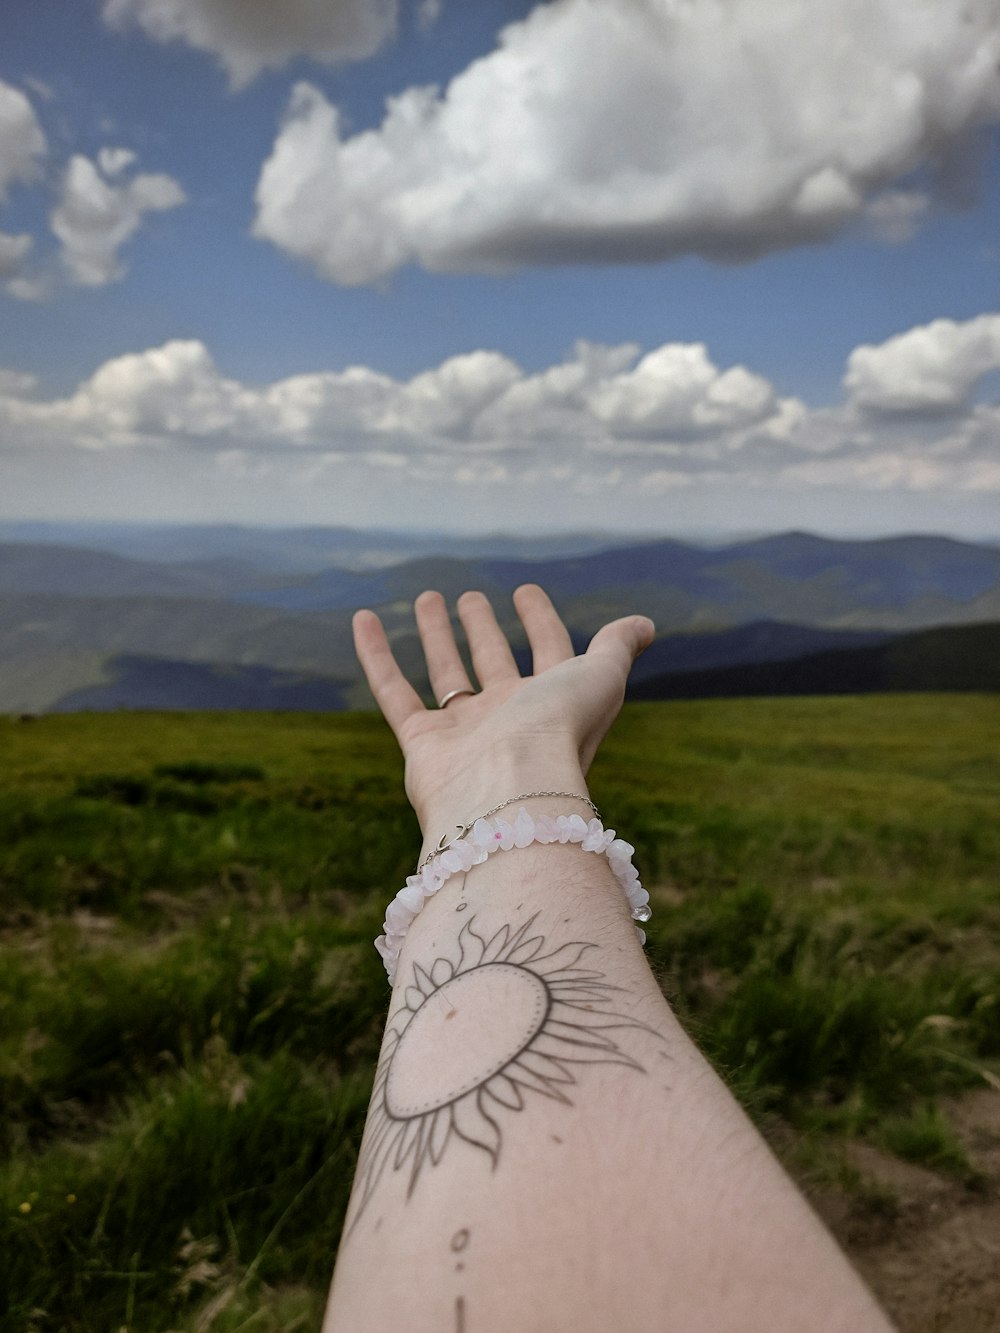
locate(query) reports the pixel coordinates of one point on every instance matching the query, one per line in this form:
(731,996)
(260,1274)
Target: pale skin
(546,1149)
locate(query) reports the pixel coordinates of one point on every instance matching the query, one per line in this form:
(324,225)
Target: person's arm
(545,1149)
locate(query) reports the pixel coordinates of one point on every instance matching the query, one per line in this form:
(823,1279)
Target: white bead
(577,829)
(524,829)
(398,915)
(431,878)
(411,897)
(546,830)
(594,840)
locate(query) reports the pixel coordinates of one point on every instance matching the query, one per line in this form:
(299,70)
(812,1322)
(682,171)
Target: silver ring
(452,694)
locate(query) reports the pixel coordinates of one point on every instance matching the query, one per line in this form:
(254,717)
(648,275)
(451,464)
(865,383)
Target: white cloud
(605,418)
(610,132)
(13,250)
(22,146)
(96,215)
(97,212)
(17,383)
(933,367)
(677,391)
(29,289)
(113,161)
(98,209)
(428,12)
(169,391)
(895,215)
(22,143)
(249,36)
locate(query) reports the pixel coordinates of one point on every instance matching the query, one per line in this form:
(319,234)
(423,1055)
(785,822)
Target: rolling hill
(82,627)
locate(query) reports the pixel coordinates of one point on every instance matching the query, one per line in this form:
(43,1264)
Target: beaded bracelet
(488,836)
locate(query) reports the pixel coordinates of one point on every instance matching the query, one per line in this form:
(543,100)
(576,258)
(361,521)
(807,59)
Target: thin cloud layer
(598,131)
(606,416)
(249,36)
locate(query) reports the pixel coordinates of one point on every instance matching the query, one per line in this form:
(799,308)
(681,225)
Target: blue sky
(723,210)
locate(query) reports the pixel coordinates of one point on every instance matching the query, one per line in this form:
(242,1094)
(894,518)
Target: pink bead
(506,835)
(482,834)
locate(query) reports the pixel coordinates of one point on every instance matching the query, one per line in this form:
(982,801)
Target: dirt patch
(929,1245)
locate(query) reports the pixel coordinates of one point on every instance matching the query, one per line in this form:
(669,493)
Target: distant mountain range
(290,550)
(129,617)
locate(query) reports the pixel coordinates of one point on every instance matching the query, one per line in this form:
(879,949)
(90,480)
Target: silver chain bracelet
(460,830)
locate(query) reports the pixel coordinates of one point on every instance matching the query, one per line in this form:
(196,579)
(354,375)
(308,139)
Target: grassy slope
(190,1007)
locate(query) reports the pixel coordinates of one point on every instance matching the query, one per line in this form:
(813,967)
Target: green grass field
(190,1006)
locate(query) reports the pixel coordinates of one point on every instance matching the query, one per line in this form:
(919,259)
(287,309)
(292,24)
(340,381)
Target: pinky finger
(393,693)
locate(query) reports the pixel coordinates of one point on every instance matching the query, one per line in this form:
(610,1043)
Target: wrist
(513,768)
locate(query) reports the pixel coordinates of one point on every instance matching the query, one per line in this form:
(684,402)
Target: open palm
(564,707)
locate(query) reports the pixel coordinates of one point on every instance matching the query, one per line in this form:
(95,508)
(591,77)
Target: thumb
(623,640)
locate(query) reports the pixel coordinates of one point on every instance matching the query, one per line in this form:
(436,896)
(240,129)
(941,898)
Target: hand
(518,733)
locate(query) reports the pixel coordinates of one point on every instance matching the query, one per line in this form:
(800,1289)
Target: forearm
(547,1150)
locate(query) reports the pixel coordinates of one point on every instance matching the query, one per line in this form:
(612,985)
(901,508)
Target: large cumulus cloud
(249,36)
(605,131)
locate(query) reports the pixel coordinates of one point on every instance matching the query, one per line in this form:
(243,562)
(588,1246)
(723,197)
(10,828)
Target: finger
(547,635)
(444,665)
(492,659)
(393,693)
(623,640)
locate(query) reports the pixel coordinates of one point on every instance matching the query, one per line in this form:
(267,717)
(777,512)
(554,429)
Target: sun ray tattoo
(517,1020)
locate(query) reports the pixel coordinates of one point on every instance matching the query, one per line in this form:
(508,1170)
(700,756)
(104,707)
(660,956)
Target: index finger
(393,693)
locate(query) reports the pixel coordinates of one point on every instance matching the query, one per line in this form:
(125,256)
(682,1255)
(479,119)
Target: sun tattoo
(515,1020)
